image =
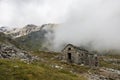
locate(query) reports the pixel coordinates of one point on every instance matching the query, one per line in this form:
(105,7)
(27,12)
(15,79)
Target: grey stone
(73,54)
(11,52)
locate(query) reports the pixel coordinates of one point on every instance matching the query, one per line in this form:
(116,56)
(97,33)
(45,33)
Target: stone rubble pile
(11,52)
(113,70)
(110,73)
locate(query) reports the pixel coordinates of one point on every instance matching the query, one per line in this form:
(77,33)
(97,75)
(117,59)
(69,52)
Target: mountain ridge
(18,32)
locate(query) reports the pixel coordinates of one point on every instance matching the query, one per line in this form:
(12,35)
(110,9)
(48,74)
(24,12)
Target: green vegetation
(16,70)
(33,41)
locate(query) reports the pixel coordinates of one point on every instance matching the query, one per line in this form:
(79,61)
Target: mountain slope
(38,40)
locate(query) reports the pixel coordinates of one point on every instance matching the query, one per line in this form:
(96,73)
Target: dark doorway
(96,64)
(69,57)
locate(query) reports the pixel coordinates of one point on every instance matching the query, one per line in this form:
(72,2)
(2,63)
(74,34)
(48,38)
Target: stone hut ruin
(73,54)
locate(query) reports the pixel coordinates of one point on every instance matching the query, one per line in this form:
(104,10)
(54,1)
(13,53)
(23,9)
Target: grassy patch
(16,70)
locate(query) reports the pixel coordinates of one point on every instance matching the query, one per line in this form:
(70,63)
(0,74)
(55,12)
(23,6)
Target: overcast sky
(93,22)
(17,13)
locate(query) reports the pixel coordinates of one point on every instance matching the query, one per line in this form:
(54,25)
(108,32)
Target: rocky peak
(23,31)
(29,27)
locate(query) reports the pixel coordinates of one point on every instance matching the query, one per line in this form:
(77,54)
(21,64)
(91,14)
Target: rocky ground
(11,52)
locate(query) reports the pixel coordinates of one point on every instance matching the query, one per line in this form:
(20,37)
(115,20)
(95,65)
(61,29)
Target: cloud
(95,23)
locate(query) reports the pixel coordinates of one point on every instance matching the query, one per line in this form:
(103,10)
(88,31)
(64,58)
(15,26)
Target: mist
(94,24)
(91,23)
